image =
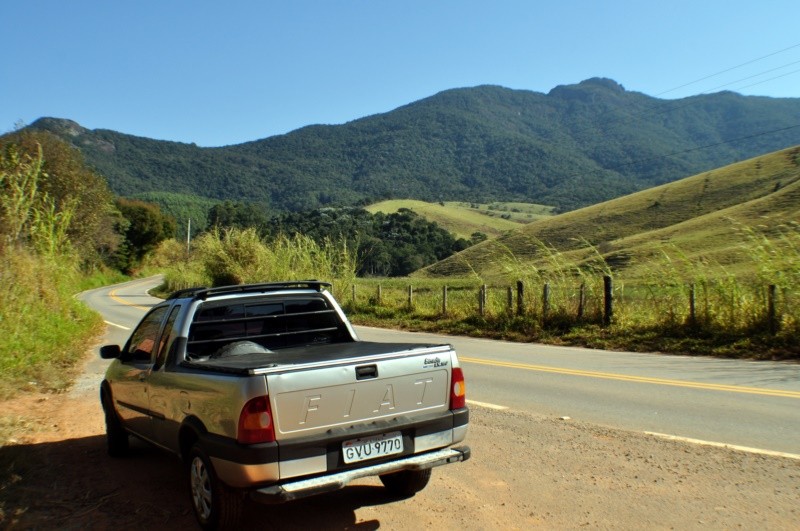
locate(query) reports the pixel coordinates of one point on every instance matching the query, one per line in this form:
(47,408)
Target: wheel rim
(201,488)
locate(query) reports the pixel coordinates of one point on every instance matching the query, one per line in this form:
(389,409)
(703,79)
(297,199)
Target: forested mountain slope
(575,146)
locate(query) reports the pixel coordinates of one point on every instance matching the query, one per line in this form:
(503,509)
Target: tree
(238,214)
(71,190)
(146,227)
(388,244)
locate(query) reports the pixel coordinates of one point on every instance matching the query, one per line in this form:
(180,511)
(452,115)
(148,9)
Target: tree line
(391,245)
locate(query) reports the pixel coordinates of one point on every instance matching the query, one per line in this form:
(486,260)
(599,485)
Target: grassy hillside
(707,217)
(464,219)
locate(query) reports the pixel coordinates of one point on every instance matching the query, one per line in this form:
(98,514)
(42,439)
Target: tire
(216,505)
(116,436)
(406,482)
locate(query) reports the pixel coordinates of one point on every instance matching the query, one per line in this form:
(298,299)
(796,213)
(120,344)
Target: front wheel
(215,504)
(116,436)
(406,482)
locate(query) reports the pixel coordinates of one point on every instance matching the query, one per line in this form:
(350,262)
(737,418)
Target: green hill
(574,146)
(464,219)
(706,217)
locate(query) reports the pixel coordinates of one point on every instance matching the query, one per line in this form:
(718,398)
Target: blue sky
(217,73)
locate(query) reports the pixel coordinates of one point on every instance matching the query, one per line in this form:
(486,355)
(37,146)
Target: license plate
(356,450)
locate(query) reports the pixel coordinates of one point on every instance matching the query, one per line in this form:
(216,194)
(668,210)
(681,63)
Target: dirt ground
(527,471)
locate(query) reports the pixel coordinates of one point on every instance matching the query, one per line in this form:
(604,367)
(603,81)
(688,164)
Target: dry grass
(701,215)
(463,219)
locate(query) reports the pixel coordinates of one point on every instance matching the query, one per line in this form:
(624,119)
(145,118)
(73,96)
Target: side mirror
(110,352)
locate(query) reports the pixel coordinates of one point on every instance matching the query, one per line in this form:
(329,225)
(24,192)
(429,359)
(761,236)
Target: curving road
(747,404)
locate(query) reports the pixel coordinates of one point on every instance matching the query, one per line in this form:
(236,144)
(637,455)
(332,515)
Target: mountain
(575,146)
(706,218)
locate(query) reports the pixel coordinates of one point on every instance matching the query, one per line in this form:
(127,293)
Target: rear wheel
(406,482)
(116,436)
(216,505)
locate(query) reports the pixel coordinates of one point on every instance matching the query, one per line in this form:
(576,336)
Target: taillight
(255,422)
(458,390)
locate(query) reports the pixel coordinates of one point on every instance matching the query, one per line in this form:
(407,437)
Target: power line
(757,75)
(668,106)
(772,78)
(728,69)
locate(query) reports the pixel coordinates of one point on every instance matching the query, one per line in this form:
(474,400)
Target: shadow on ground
(73,484)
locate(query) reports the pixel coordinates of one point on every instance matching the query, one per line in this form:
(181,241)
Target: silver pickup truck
(265,390)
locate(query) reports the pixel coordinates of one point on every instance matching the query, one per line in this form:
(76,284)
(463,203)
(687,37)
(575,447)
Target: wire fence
(722,305)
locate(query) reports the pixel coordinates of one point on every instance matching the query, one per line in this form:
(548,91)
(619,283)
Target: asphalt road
(741,403)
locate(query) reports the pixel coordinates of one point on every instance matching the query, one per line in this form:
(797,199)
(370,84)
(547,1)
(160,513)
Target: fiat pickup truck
(265,392)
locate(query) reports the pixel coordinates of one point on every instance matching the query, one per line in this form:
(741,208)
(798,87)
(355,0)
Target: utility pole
(188,235)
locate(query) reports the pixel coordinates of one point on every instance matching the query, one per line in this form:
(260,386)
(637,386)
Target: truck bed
(312,355)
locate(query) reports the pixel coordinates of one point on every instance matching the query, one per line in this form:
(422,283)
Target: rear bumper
(245,466)
(308,487)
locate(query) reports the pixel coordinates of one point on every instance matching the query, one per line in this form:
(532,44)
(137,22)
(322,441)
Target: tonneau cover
(314,355)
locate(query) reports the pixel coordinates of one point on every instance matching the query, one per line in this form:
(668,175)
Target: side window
(167,338)
(143,340)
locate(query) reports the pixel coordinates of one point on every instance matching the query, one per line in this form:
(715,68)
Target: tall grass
(44,331)
(239,256)
(651,309)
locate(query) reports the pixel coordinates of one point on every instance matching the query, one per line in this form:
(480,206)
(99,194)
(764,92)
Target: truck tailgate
(311,400)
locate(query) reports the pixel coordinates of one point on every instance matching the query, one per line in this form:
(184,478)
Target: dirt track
(527,471)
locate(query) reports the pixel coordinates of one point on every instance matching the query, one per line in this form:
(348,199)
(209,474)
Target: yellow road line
(638,379)
(113,295)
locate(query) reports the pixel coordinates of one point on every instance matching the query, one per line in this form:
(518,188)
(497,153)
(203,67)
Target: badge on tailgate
(356,450)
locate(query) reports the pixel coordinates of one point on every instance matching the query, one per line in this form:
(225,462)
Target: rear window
(273,324)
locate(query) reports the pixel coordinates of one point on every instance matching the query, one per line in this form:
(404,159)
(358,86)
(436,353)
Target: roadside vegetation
(673,304)
(39,276)
(60,233)
(223,257)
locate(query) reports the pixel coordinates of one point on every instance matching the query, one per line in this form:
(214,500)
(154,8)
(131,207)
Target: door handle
(366,372)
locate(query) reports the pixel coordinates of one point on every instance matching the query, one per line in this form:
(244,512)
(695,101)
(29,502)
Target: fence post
(771,314)
(410,297)
(545,302)
(354,294)
(379,294)
(482,300)
(444,300)
(692,306)
(520,298)
(510,296)
(608,290)
(582,301)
